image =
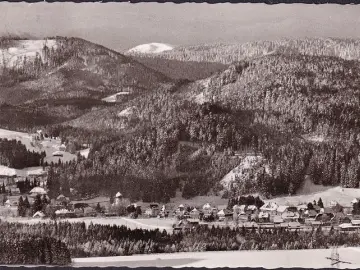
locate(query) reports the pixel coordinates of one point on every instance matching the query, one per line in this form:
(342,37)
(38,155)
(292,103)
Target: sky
(121,26)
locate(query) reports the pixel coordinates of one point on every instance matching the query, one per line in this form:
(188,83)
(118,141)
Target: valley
(167,143)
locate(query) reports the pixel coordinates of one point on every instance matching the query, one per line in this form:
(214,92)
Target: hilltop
(150,48)
(228,53)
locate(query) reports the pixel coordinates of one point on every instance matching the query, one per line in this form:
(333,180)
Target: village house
(195,214)
(270,208)
(224,214)
(58,154)
(208,210)
(153,210)
(264,217)
(118,198)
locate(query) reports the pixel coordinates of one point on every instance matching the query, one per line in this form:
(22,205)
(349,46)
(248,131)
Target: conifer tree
(320,203)
(21,207)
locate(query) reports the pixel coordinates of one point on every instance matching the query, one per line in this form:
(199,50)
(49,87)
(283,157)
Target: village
(24,194)
(26,197)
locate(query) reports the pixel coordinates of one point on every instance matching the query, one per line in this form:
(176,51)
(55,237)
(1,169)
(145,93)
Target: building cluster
(268,215)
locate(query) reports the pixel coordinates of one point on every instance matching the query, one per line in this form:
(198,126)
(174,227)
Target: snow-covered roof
(355,201)
(282,208)
(252,207)
(38,190)
(269,206)
(278,219)
(181,206)
(207,206)
(57,153)
(345,225)
(290,215)
(118,195)
(8,202)
(355,222)
(39,214)
(194,210)
(61,211)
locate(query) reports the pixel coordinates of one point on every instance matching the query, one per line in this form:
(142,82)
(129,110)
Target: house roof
(282,208)
(207,206)
(39,214)
(38,190)
(194,211)
(61,211)
(355,222)
(118,195)
(269,206)
(251,207)
(224,212)
(278,219)
(302,207)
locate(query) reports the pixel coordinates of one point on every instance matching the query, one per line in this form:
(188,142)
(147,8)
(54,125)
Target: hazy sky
(121,26)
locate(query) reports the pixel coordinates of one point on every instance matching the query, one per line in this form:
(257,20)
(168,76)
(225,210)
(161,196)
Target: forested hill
(229,53)
(53,80)
(295,114)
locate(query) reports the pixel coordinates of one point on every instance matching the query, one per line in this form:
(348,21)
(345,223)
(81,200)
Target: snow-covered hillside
(151,48)
(15,53)
(249,167)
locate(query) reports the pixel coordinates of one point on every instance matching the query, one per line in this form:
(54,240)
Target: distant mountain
(150,48)
(227,53)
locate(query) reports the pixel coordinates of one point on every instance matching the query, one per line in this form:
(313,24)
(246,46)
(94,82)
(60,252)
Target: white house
(269,207)
(118,198)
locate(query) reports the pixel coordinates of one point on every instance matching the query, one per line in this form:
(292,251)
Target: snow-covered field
(141,223)
(249,164)
(343,196)
(151,48)
(21,172)
(315,258)
(48,145)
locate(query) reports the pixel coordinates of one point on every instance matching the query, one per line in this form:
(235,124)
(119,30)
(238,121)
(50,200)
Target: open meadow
(315,258)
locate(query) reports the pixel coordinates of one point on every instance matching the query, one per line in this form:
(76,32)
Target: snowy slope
(16,52)
(151,48)
(249,166)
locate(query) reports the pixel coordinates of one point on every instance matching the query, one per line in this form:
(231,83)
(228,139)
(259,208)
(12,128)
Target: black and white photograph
(179,135)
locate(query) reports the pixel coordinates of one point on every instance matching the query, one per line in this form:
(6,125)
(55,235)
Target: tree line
(15,155)
(106,240)
(21,247)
